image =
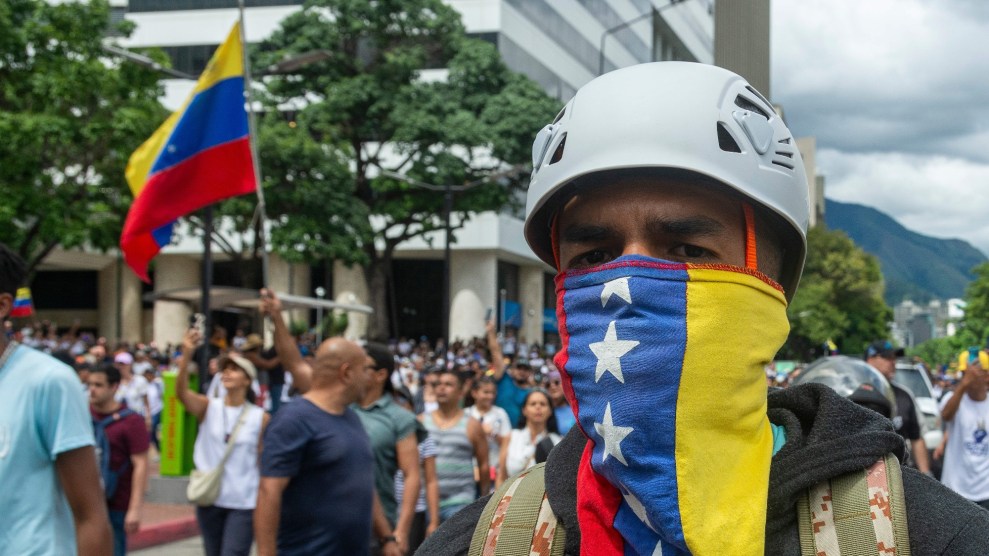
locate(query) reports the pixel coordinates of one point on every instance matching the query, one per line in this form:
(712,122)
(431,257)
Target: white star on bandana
(609,353)
(619,287)
(613,436)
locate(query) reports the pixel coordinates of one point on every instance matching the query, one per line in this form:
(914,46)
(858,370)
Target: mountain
(915,266)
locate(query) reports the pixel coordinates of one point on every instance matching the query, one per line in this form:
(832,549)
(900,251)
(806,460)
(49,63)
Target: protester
(266,360)
(459,442)
(133,390)
(391,430)
(965,411)
(518,450)
(514,378)
(427,516)
(565,419)
(156,402)
(882,356)
(49,481)
(493,419)
(317,444)
(226,525)
(126,474)
(673,201)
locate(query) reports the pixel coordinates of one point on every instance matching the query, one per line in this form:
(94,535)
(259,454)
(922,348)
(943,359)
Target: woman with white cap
(226,525)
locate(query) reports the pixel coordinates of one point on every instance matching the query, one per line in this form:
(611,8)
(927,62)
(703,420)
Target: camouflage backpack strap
(517,520)
(858,513)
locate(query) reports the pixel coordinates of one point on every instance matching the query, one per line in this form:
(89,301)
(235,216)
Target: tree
(975,325)
(367,109)
(840,298)
(69,119)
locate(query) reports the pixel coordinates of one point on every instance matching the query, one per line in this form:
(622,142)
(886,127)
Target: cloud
(895,92)
(936,195)
(885,75)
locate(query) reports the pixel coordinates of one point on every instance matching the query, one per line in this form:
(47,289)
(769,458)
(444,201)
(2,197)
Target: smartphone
(198,321)
(489,314)
(973,354)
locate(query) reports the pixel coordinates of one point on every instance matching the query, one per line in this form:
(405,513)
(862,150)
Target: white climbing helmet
(678,116)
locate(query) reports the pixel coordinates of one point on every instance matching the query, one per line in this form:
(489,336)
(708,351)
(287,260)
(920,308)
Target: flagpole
(252,130)
(207,282)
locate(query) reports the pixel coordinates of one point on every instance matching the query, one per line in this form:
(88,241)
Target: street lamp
(625,24)
(320,293)
(448,191)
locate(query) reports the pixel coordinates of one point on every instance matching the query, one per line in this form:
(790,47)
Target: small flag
(200,155)
(22,303)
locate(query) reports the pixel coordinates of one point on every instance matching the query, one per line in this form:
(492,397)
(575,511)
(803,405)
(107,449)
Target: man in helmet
(672,199)
(882,356)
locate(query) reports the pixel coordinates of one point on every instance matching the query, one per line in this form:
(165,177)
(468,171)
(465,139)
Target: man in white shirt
(966,457)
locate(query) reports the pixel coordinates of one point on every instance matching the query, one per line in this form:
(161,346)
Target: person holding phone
(965,412)
(226,525)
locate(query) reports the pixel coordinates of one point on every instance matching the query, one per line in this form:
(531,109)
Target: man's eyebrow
(685,227)
(585,233)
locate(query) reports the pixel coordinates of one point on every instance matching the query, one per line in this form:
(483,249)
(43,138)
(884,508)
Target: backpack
(109,477)
(862,512)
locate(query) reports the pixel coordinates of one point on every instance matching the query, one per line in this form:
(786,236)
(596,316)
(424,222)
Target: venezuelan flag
(22,303)
(200,155)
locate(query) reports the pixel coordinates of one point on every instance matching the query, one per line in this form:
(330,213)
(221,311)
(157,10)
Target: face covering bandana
(663,364)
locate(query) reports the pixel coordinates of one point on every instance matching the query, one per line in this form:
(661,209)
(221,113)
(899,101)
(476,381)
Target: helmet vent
(558,153)
(560,115)
(786,154)
(758,94)
(785,141)
(783,164)
(747,104)
(726,141)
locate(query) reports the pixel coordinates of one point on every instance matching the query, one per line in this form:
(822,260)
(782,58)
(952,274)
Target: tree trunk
(376,276)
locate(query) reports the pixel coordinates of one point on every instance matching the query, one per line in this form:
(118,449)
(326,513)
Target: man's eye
(590,258)
(691,251)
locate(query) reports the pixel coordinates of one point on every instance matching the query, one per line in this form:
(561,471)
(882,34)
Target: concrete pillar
(127,306)
(531,293)
(349,287)
(473,290)
(172,318)
(290,278)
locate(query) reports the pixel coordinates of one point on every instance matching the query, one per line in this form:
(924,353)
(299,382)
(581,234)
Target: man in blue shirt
(317,471)
(51,495)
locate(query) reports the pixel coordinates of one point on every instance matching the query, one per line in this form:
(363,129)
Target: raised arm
(194,402)
(497,357)
(288,351)
(951,406)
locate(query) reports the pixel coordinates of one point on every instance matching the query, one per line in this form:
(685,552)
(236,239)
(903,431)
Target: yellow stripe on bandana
(735,322)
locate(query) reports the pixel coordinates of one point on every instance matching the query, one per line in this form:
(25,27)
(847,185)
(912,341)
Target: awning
(228,297)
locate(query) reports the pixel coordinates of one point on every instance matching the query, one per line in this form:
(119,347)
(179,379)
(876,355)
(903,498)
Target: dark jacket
(826,436)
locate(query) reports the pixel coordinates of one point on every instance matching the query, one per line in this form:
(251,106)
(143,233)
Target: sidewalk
(162,522)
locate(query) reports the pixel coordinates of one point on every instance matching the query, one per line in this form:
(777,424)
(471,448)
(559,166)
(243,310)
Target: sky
(897,94)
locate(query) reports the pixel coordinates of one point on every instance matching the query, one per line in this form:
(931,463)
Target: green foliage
(366,109)
(840,298)
(975,326)
(939,351)
(69,119)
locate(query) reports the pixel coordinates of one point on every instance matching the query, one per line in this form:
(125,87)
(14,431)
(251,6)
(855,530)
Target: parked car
(915,379)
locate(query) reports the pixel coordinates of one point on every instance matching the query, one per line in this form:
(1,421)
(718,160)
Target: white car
(914,378)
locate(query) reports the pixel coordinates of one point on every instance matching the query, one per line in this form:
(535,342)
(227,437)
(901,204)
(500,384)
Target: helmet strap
(555,243)
(751,259)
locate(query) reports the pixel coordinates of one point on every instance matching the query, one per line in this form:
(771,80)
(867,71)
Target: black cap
(884,349)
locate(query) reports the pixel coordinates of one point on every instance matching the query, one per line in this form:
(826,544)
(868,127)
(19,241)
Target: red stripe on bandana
(597,505)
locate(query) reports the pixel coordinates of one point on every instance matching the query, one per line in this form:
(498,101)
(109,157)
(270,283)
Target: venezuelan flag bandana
(663,365)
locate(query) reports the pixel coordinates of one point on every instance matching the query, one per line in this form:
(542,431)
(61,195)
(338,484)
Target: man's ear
(6,304)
